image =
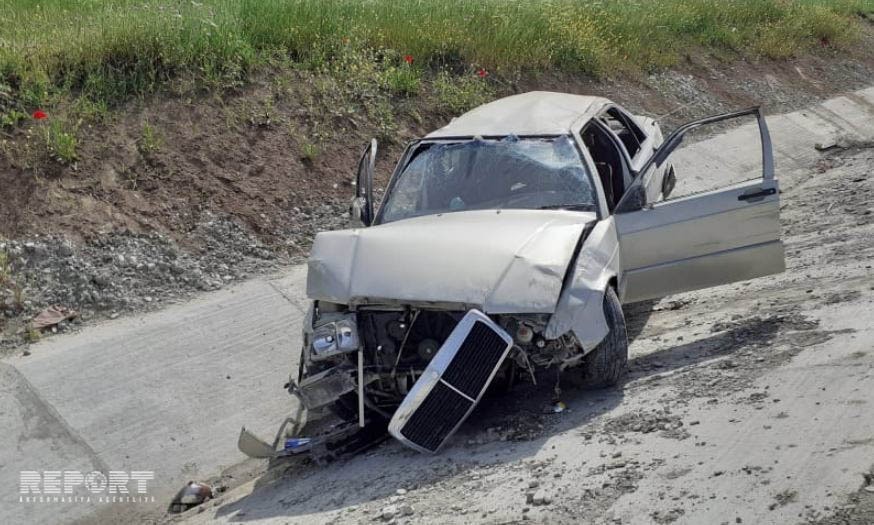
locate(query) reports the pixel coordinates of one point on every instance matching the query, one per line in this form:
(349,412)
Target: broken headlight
(334,335)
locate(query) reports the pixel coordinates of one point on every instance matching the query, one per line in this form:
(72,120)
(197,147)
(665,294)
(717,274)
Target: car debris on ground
(189,496)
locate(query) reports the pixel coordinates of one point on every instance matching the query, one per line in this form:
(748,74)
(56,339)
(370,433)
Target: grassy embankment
(87,56)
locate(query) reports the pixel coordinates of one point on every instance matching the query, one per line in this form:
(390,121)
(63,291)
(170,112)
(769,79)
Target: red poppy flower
(482,73)
(39,114)
(408,59)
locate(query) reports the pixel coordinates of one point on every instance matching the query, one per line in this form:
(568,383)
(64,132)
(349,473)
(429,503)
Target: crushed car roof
(532,113)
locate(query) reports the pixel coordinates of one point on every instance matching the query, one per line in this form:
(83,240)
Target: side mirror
(633,200)
(668,182)
(358,213)
(361,209)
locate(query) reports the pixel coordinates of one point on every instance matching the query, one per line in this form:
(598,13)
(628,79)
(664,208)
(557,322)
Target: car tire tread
(606,364)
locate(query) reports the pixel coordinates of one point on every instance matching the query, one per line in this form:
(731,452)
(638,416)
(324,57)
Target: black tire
(606,364)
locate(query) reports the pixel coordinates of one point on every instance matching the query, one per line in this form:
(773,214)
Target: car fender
(580,307)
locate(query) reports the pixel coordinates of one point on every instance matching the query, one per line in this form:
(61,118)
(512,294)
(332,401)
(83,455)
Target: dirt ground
(744,404)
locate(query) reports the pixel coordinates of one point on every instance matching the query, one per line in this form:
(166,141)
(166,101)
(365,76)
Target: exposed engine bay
(417,372)
(399,344)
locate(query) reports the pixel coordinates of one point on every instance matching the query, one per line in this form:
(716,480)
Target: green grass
(11,291)
(61,141)
(110,50)
(461,94)
(150,141)
(309,151)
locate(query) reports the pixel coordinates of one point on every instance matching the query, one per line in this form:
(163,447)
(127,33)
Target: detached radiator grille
(436,417)
(481,352)
(452,384)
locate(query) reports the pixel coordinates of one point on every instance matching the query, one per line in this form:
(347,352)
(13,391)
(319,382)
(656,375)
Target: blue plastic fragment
(296,443)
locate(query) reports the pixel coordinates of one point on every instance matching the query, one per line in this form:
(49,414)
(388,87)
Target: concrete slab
(725,158)
(165,392)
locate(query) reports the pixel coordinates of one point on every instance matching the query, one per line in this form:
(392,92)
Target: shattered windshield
(478,174)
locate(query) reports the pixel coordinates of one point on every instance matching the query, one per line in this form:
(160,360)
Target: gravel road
(746,403)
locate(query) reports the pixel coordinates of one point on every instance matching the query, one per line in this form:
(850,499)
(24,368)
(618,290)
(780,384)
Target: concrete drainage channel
(167,392)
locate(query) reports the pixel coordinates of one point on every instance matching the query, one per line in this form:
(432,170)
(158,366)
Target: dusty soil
(272,163)
(735,399)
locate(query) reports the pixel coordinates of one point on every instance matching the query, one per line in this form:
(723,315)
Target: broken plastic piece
(191,495)
(253,446)
(297,445)
(557,408)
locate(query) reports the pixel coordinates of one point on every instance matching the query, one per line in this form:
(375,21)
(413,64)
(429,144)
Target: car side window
(625,128)
(608,158)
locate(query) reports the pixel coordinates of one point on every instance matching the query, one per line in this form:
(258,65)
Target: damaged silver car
(506,244)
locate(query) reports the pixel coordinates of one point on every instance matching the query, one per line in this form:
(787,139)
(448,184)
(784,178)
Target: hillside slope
(118,205)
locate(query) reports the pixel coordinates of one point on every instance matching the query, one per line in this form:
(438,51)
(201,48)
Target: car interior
(612,170)
(630,135)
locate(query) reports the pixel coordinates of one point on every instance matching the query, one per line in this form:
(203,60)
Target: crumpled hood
(511,261)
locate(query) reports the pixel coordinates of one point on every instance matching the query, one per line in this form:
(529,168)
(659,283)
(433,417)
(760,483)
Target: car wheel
(606,364)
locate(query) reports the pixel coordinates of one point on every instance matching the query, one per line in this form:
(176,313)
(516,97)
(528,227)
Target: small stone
(389,512)
(869,488)
(406,510)
(541,497)
(533,484)
(401,492)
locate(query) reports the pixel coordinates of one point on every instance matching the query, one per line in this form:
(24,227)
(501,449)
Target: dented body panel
(580,307)
(508,261)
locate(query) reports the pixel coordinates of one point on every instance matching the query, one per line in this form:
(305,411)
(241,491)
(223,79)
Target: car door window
(625,128)
(706,161)
(609,161)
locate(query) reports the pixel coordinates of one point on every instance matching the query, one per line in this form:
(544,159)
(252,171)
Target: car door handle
(757,195)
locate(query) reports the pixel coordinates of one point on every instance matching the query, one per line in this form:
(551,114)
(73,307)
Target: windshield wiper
(579,206)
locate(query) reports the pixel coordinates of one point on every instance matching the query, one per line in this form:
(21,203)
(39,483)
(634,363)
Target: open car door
(362,203)
(704,239)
